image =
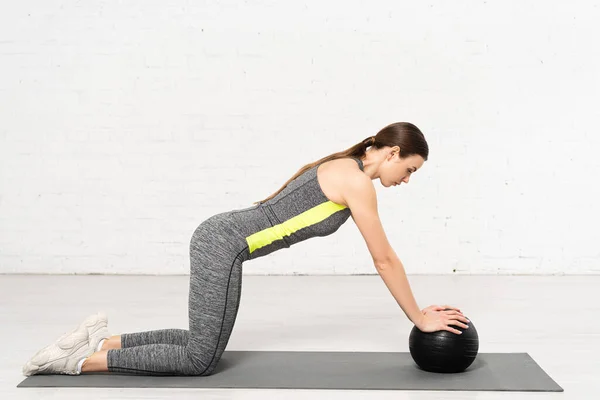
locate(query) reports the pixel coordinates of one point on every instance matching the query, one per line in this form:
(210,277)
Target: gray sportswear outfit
(218,247)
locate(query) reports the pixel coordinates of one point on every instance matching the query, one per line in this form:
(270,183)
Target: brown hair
(402,134)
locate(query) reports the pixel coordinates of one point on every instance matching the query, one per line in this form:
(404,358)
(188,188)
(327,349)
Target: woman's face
(395,170)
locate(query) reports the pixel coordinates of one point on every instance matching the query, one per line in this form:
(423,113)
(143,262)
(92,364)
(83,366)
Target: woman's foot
(62,356)
(95,328)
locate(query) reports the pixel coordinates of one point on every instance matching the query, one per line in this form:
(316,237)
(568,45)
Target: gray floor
(555,319)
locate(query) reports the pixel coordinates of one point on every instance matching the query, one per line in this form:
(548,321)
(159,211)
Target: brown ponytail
(403,134)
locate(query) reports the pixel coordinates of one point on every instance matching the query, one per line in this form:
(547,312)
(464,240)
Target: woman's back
(299,212)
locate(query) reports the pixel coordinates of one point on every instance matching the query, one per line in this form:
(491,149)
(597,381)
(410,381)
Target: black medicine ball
(444,351)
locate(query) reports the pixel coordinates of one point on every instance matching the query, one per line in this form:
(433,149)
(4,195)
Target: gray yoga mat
(330,370)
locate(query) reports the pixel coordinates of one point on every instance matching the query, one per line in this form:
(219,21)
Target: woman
(316,201)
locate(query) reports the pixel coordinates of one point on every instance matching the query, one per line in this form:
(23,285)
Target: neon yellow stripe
(307,218)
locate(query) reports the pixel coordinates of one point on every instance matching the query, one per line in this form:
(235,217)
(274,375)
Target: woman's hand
(436,318)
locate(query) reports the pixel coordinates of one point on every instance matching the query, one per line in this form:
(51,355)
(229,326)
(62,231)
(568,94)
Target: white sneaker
(96,336)
(62,356)
(95,327)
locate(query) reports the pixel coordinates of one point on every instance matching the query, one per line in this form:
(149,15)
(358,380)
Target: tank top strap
(360,163)
(358,160)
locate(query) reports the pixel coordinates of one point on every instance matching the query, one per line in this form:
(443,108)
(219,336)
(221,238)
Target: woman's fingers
(453,330)
(456,323)
(452,308)
(459,316)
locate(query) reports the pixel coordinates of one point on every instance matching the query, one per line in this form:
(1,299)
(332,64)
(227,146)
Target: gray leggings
(217,252)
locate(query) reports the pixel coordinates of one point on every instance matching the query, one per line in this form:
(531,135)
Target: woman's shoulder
(345,163)
(334,176)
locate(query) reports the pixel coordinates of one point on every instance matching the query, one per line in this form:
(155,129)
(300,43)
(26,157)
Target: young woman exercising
(316,201)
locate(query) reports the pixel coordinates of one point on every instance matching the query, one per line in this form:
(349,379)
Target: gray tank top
(299,212)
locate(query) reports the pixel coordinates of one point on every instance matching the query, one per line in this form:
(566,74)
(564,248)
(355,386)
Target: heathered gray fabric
(218,248)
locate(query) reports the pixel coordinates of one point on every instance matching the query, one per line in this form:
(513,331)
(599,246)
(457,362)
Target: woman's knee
(201,364)
(202,369)
(209,371)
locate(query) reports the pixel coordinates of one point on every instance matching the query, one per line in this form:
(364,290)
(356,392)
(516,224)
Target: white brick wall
(123,125)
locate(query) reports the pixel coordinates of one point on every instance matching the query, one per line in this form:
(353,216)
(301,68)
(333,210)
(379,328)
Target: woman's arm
(394,276)
(359,194)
